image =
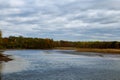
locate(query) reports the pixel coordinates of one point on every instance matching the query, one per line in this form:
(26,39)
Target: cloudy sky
(74,20)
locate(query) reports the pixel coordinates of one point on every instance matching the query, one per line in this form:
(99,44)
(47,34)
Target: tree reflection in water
(0,70)
(1,65)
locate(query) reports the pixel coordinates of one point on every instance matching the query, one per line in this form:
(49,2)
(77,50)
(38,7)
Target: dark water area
(59,65)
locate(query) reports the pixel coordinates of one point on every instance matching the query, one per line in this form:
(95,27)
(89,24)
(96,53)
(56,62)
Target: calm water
(56,65)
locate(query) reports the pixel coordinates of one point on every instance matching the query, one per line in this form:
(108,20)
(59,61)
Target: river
(59,65)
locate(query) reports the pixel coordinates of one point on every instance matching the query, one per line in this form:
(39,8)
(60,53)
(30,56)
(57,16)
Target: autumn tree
(1,39)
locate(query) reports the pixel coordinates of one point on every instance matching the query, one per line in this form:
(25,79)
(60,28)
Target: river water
(59,65)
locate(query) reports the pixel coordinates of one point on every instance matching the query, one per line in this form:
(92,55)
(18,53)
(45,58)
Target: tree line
(20,42)
(90,44)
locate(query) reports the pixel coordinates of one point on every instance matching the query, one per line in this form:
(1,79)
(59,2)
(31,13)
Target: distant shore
(105,51)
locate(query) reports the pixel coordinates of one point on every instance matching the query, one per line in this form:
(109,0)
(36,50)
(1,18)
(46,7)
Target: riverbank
(4,58)
(105,51)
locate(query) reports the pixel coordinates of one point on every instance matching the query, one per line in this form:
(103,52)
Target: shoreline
(102,51)
(96,50)
(4,57)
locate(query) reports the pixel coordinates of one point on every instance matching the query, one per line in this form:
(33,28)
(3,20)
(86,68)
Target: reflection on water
(15,65)
(54,65)
(0,70)
(1,67)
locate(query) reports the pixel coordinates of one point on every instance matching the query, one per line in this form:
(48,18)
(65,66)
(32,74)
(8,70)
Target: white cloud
(9,11)
(16,3)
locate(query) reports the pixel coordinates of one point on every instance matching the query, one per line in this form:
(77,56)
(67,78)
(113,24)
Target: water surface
(59,65)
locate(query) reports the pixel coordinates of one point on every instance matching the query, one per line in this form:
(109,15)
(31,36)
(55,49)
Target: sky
(73,20)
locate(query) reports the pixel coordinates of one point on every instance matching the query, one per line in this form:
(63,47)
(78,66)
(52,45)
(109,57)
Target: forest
(21,42)
(13,42)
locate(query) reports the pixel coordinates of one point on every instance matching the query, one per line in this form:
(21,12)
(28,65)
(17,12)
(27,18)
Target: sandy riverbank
(107,51)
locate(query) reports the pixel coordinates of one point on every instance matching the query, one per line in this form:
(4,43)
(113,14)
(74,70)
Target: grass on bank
(110,51)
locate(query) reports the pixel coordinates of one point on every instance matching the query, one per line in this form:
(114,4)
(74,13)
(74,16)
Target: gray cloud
(66,19)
